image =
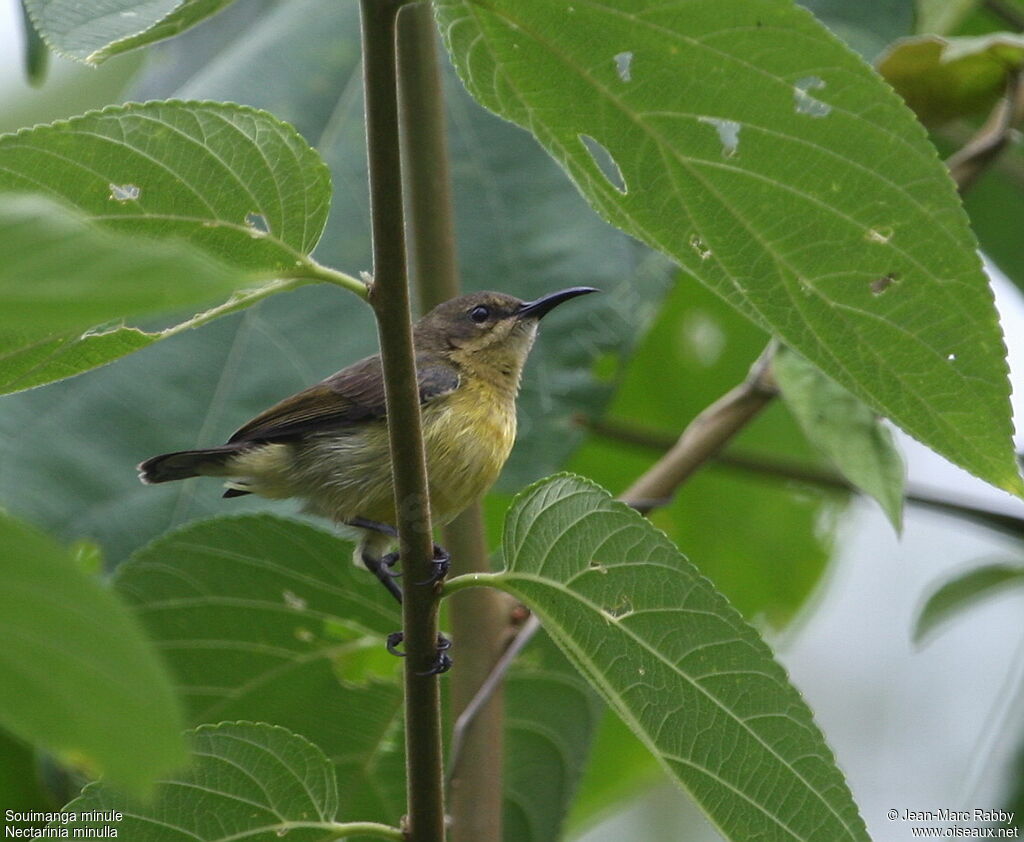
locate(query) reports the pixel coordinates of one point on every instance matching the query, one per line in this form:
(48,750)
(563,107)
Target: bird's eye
(479,314)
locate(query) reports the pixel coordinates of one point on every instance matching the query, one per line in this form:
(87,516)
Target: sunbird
(328,445)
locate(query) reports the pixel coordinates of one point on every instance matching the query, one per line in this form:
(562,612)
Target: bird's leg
(380,566)
(439,564)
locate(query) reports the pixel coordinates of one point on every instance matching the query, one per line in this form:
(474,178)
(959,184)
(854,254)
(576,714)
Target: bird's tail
(187,463)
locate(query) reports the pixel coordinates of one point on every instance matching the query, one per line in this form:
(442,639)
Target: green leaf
(80,678)
(247,781)
(675,661)
(962,591)
(237,193)
(93,32)
(36,55)
(946,78)
(551,715)
(268,619)
(776,167)
(852,437)
(942,16)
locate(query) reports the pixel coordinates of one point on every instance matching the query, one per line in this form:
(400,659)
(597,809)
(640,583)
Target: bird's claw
(442,663)
(393,640)
(439,566)
(388,562)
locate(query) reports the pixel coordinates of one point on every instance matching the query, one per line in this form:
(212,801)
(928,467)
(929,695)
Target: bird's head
(488,331)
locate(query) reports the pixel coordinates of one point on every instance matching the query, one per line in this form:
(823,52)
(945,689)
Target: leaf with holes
(675,661)
(80,679)
(264,618)
(776,167)
(230,194)
(247,780)
(963,590)
(852,437)
(93,32)
(233,181)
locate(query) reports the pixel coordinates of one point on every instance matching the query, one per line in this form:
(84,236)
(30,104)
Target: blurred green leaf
(27,361)
(69,89)
(551,715)
(80,678)
(941,17)
(36,55)
(994,203)
(852,437)
(735,115)
(247,780)
(268,619)
(21,785)
(93,32)
(697,350)
(620,767)
(945,78)
(964,590)
(671,657)
(867,25)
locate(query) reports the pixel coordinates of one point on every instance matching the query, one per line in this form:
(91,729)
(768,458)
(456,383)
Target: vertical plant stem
(480,625)
(425,149)
(390,299)
(479,617)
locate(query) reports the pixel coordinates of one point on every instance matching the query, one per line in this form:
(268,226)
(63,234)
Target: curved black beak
(546,303)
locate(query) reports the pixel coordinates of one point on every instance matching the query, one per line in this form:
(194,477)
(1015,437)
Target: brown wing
(351,396)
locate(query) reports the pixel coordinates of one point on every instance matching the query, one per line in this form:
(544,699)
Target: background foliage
(646,356)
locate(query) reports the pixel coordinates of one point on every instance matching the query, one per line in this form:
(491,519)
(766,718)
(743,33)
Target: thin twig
(793,471)
(389,296)
(705,436)
(490,686)
(1010,13)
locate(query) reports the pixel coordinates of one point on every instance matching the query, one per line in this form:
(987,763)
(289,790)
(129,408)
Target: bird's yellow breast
(468,435)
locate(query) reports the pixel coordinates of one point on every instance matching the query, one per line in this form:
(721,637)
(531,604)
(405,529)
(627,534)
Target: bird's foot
(442,662)
(439,565)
